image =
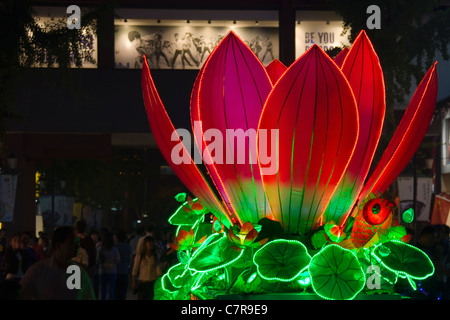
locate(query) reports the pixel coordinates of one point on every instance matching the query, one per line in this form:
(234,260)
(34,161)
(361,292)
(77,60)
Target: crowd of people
(115,265)
(112,264)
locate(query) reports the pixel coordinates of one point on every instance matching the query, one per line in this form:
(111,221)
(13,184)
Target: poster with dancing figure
(8,189)
(57,211)
(171,47)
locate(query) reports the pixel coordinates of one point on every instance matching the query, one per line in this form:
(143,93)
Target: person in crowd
(170,255)
(95,236)
(48,279)
(41,246)
(108,258)
(87,244)
(31,256)
(133,244)
(148,231)
(147,268)
(15,259)
(123,268)
(80,255)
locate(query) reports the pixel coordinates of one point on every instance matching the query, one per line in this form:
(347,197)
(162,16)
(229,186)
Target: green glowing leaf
(166,284)
(177,275)
(183,257)
(334,232)
(304,281)
(214,255)
(318,239)
(282,260)
(397,232)
(183,218)
(336,273)
(181,197)
(161,293)
(408,215)
(252,277)
(404,259)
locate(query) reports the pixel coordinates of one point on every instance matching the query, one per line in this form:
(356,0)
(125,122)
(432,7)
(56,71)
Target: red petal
(247,227)
(275,70)
(232,89)
(263,241)
(363,71)
(197,207)
(250,237)
(406,238)
(407,137)
(187,209)
(314,109)
(182,236)
(201,240)
(339,59)
(162,129)
(191,236)
(232,237)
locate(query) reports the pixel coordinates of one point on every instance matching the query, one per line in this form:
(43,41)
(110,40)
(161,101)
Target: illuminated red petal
(233,238)
(191,236)
(197,207)
(185,238)
(263,241)
(250,237)
(247,227)
(275,70)
(363,71)
(182,236)
(233,86)
(406,238)
(201,240)
(162,129)
(407,137)
(198,135)
(314,109)
(339,59)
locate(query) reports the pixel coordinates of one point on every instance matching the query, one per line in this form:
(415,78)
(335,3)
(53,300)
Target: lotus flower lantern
(288,152)
(321,120)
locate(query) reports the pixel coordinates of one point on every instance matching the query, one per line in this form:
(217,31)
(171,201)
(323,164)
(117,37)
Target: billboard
(185,47)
